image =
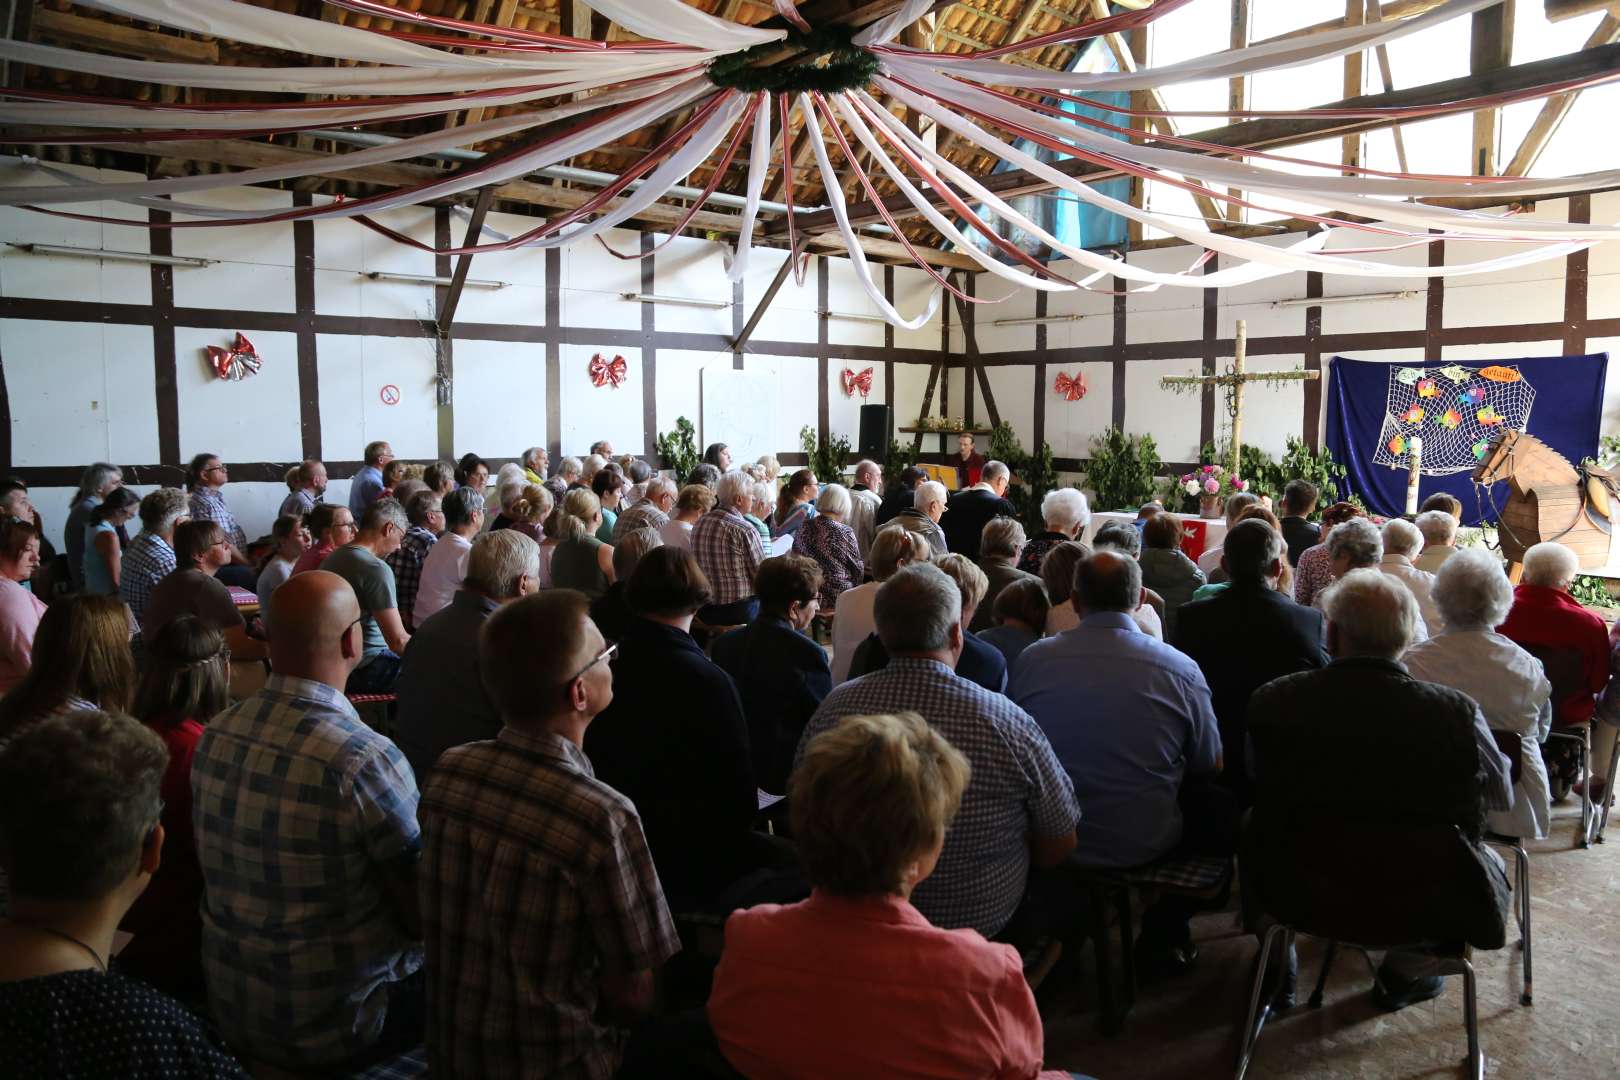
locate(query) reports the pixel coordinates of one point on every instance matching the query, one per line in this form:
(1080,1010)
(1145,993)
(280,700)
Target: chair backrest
(1564,667)
(1511,743)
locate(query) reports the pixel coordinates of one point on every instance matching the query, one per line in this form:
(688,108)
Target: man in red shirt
(1572,642)
(969,463)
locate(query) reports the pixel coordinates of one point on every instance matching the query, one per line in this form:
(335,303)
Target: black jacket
(1299,534)
(897,498)
(966,515)
(782,677)
(980,662)
(1241,638)
(675,743)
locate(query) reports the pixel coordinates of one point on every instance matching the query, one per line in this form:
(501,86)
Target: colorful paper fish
(1488,416)
(1456,373)
(1397,445)
(1451,419)
(1408,375)
(1479,450)
(1498,373)
(1473,395)
(1414,415)
(1427,388)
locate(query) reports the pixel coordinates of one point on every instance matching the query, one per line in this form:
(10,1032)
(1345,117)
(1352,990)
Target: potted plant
(1210,484)
(1122,469)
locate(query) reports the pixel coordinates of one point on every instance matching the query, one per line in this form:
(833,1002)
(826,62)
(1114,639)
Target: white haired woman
(1065,514)
(1473,597)
(832,544)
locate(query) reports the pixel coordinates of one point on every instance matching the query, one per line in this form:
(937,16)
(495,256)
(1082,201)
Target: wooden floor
(1188,1027)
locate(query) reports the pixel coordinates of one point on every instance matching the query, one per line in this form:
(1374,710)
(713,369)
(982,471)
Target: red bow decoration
(854,382)
(1072,389)
(607,371)
(236,362)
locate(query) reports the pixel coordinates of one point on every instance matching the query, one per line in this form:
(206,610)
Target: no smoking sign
(389,394)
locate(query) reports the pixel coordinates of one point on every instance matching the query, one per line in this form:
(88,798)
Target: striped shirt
(728,551)
(298,504)
(406,563)
(300,810)
(148,560)
(1017,787)
(536,880)
(208,504)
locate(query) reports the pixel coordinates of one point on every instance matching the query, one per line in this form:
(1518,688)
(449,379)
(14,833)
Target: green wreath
(850,67)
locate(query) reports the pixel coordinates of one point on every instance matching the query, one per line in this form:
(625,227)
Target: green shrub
(1123,469)
(679,452)
(826,455)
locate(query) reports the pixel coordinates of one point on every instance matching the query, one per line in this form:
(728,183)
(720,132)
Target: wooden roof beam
(1555,108)
(103,36)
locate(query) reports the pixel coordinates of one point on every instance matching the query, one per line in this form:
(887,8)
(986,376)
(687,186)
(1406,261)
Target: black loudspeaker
(876,423)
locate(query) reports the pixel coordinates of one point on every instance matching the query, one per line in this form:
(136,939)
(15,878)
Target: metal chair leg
(1585,752)
(1523,859)
(1608,789)
(1257,1012)
(1321,980)
(1476,1060)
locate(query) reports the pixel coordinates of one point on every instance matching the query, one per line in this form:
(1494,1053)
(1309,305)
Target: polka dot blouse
(87,1025)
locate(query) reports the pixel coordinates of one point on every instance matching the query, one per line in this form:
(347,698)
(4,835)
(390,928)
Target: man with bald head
(1132,721)
(306,832)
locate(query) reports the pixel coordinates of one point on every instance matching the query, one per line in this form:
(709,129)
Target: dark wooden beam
(775,287)
(1261,134)
(458,279)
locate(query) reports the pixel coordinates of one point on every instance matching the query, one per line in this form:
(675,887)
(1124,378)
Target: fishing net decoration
(1456,410)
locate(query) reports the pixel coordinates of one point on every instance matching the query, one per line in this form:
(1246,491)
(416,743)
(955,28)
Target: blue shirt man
(367,484)
(1127,715)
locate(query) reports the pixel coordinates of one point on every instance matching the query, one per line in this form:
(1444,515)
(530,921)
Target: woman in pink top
(855,981)
(20,610)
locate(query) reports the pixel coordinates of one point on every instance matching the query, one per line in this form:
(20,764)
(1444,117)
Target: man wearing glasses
(538,894)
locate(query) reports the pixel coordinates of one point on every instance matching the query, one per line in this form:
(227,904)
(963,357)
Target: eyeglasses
(214,468)
(606,654)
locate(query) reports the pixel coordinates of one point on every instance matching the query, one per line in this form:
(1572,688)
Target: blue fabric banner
(1456,407)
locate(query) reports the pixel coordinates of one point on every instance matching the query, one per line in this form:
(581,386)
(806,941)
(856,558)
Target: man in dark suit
(781,674)
(1245,636)
(900,496)
(1299,499)
(969,511)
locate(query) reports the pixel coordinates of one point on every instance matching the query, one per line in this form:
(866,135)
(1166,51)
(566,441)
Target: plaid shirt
(300,810)
(643,515)
(1017,786)
(298,504)
(536,879)
(406,563)
(208,504)
(728,551)
(147,560)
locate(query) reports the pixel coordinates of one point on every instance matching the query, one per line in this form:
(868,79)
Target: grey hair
(929,491)
(915,609)
(630,548)
(498,559)
(734,485)
(1359,539)
(1401,537)
(384,512)
(1002,536)
(569,466)
(160,509)
(1471,590)
(592,465)
(867,465)
(1439,528)
(532,455)
(508,473)
(661,485)
(1119,536)
(94,478)
(510,491)
(460,506)
(1550,564)
(1237,503)
(834,499)
(1373,612)
(763,495)
(1064,508)
(993,471)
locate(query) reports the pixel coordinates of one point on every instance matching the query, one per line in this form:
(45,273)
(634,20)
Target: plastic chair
(1512,747)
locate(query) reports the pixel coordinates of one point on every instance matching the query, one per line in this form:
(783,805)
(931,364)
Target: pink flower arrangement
(1210,480)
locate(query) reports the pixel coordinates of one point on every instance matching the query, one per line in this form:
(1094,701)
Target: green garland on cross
(849,67)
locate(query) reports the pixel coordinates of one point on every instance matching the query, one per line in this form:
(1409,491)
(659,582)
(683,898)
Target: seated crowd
(597,686)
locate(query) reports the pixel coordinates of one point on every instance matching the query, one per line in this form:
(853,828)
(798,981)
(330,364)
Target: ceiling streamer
(743,86)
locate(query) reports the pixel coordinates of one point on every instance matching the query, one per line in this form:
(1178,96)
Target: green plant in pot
(826,456)
(679,450)
(1123,469)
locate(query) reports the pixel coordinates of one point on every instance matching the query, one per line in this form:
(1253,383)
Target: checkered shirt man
(298,504)
(300,812)
(728,551)
(148,560)
(643,515)
(536,880)
(406,563)
(208,504)
(1016,788)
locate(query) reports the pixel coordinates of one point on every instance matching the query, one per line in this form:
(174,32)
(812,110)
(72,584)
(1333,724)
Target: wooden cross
(1233,381)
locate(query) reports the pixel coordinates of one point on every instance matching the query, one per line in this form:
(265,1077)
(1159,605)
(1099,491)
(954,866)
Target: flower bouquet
(1209,485)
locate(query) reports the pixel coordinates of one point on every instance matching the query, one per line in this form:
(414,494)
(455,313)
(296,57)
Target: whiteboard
(739,409)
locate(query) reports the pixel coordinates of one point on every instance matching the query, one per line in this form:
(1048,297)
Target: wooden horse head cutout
(1497,464)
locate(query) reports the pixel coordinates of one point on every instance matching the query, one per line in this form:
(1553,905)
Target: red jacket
(1551,618)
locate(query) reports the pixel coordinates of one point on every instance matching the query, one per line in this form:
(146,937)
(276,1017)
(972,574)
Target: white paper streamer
(671,20)
(759,163)
(857,257)
(889,27)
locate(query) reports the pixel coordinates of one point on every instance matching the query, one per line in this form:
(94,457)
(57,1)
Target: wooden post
(1239,343)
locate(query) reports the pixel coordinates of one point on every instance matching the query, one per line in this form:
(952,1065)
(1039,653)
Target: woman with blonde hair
(772,467)
(894,546)
(855,979)
(185,685)
(525,514)
(581,561)
(81,660)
